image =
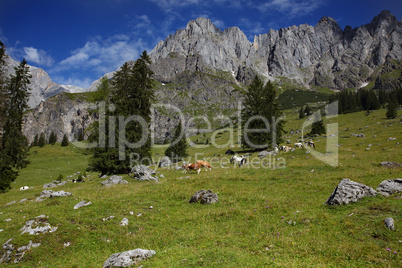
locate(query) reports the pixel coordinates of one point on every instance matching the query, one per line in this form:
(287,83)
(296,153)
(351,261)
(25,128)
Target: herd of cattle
(241,160)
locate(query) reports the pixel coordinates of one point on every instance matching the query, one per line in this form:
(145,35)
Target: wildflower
(388,249)
(395,252)
(255,209)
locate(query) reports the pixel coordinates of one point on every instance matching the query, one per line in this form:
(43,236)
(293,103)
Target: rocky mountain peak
(201,26)
(384,24)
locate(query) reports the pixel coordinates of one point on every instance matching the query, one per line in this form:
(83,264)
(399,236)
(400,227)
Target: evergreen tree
(261,125)
(392,110)
(42,140)
(318,128)
(307,110)
(14,147)
(178,150)
(301,113)
(80,135)
(52,138)
(35,141)
(64,142)
(132,94)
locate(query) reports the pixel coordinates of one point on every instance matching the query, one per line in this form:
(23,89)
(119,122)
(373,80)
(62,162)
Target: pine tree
(392,110)
(307,110)
(42,140)
(52,138)
(318,128)
(14,147)
(132,94)
(64,142)
(80,135)
(178,151)
(261,111)
(35,141)
(301,113)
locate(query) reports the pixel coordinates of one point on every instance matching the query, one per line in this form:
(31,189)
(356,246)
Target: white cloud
(37,56)
(102,56)
(293,8)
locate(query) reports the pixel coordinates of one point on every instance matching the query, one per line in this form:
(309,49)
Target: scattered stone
(165,162)
(389,187)
(49,194)
(151,207)
(390,164)
(39,225)
(114,180)
(361,135)
(82,204)
(143,173)
(104,177)
(8,220)
(349,191)
(391,139)
(12,202)
(1,230)
(205,197)
(128,258)
(24,188)
(369,145)
(307,152)
(389,223)
(108,218)
(161,175)
(265,153)
(49,185)
(23,200)
(187,177)
(67,244)
(368,149)
(10,253)
(139,215)
(124,222)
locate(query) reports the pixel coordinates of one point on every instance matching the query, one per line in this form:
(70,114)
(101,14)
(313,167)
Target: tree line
(364,99)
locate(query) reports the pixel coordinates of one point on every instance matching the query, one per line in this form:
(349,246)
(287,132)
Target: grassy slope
(248,227)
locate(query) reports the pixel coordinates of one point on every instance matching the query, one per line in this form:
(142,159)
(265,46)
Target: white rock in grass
(12,202)
(389,223)
(8,220)
(82,204)
(349,191)
(1,230)
(128,258)
(38,226)
(124,222)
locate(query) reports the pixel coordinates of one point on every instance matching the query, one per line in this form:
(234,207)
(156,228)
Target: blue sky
(78,41)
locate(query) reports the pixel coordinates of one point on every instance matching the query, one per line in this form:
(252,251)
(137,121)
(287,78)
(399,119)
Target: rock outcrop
(389,187)
(113,180)
(349,191)
(128,258)
(204,197)
(143,173)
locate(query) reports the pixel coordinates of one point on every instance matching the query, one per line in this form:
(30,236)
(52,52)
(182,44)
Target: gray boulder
(389,223)
(12,254)
(39,225)
(205,197)
(389,187)
(49,194)
(143,173)
(390,164)
(128,258)
(349,191)
(114,180)
(49,185)
(165,162)
(83,203)
(265,153)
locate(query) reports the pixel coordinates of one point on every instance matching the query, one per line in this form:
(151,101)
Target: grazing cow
(309,143)
(205,164)
(285,148)
(299,145)
(240,160)
(191,166)
(23,188)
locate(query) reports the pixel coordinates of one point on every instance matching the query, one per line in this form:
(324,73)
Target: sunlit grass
(264,217)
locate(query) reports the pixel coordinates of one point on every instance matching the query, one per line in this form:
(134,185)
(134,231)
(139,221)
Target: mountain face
(41,85)
(202,71)
(323,55)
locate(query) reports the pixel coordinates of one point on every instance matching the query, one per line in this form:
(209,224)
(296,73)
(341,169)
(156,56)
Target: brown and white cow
(205,164)
(192,166)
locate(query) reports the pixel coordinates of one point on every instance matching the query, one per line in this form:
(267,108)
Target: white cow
(240,160)
(23,188)
(299,145)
